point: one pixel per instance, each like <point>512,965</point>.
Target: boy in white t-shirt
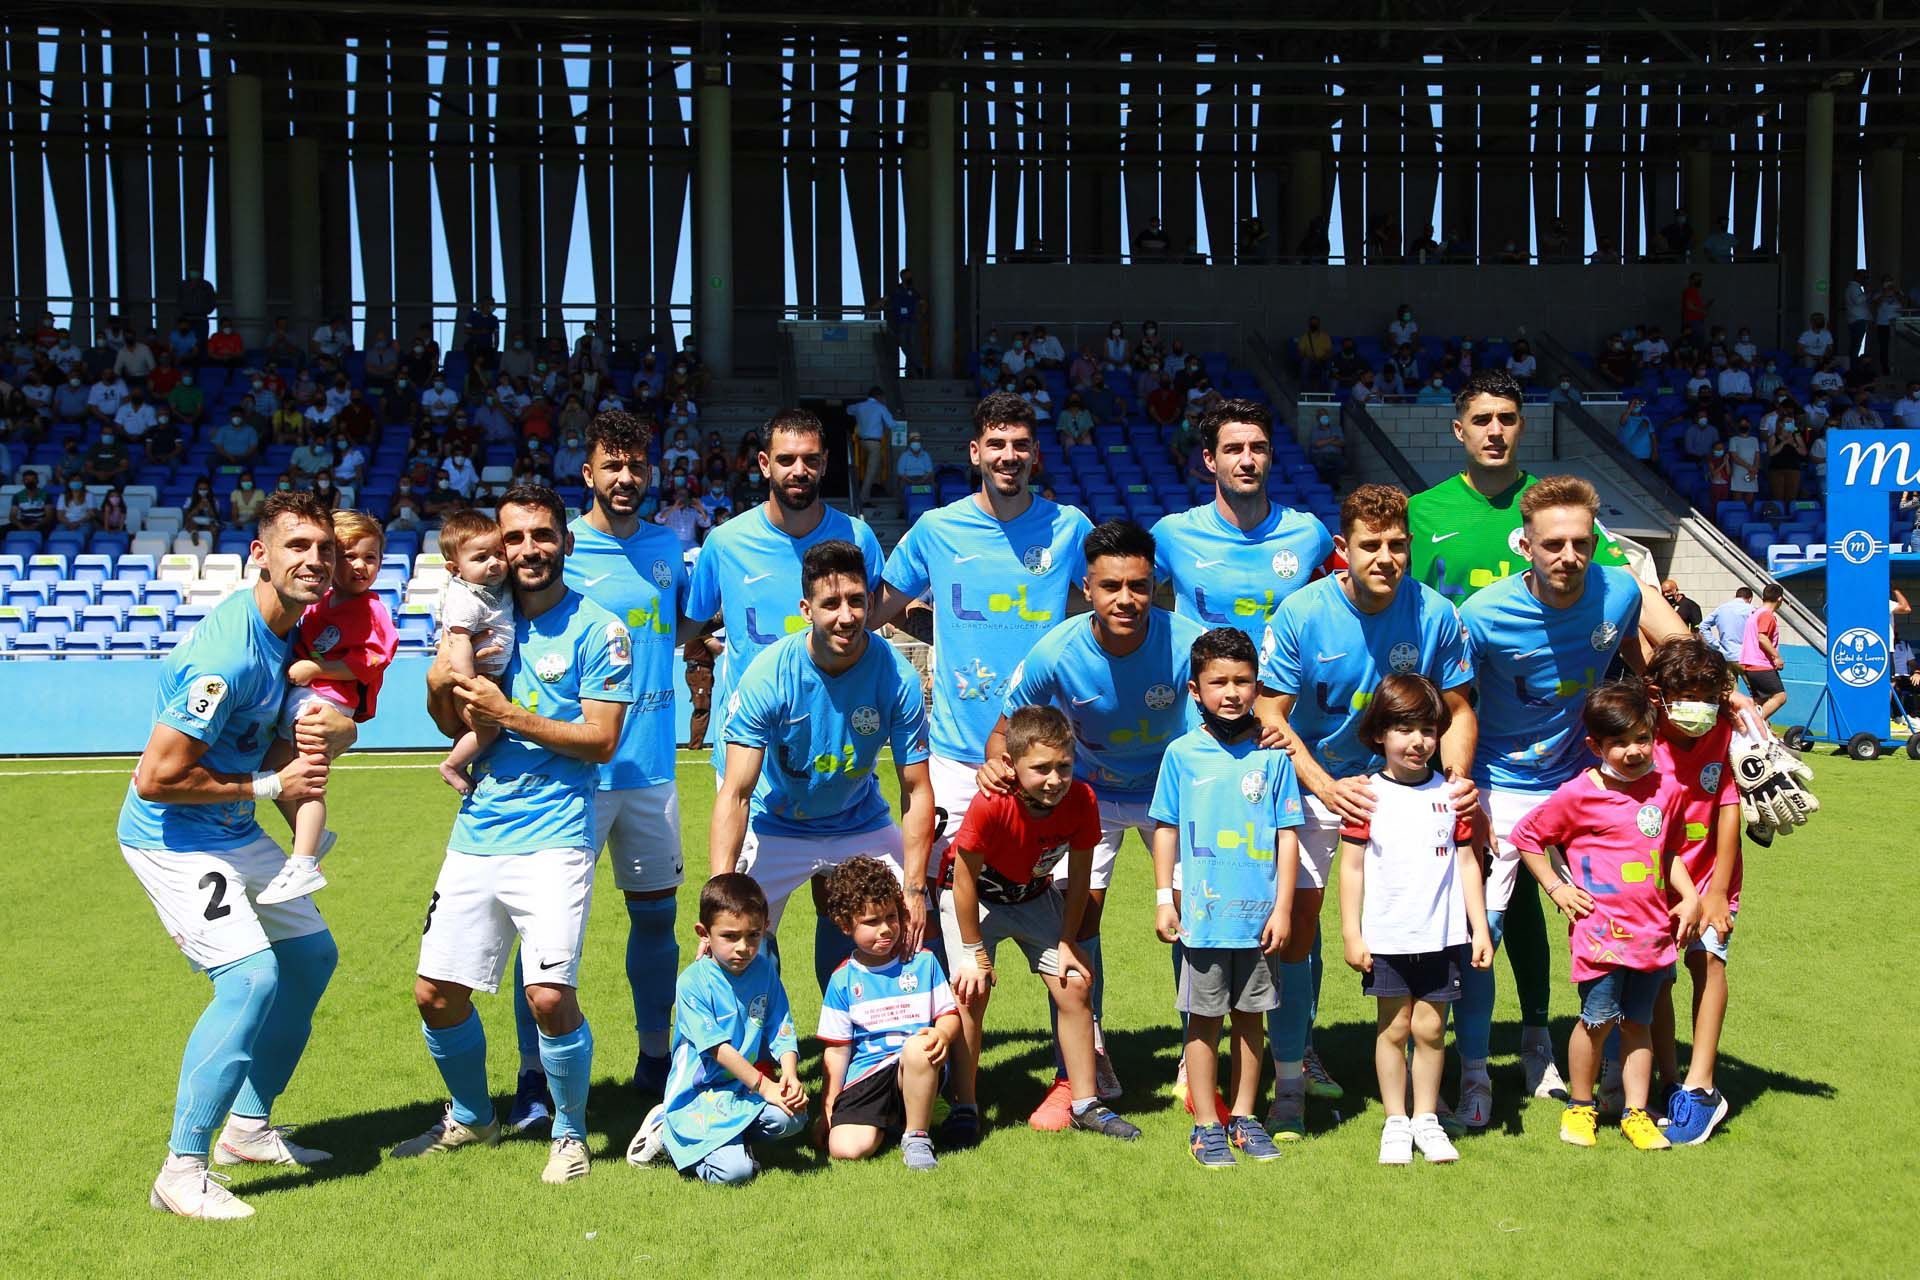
<point>476,612</point>
<point>1412,909</point>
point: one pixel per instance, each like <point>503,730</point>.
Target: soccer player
<point>804,729</point>
<point>1325,652</point>
<point>1541,641</point>
<point>1117,673</point>
<point>1466,535</point>
<point>520,859</point>
<point>188,831</point>
<point>633,569</point>
<point>1001,568</point>
<point>748,572</point>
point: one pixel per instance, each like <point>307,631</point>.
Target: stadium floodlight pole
<point>713,126</point>
<point>942,171</point>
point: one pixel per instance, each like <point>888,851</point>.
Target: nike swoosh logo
<point>1442,537</point>
<point>1529,653</point>
<point>1081,702</point>
<point>796,719</point>
<point>1207,564</point>
<point>1331,657</point>
<point>596,581</point>
<point>1201,782</point>
<point>551,964</point>
<point>965,559</point>
<point>758,577</point>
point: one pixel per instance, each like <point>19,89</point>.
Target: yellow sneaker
<point>1641,1131</point>
<point>1580,1125</point>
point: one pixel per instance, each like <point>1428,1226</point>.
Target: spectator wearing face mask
<point>134,418</point>
<point>405,511</point>
<point>202,513</point>
<point>1700,439</point>
<point>439,401</point>
<point>1434,391</point>
<point>1521,363</point>
<point>1403,330</point>
<point>443,499</point>
<point>1047,351</point>
<point>226,348</point>
<point>70,399</point>
<point>570,458</point>
<point>684,515</point>
<point>1635,431</point>
<point>1327,449</point>
<point>165,445</point>
<point>459,472</point>
<point>244,503</point>
<point>1388,383</point>
<point>915,465</point>
<point>1564,392</point>
<point>75,510</point>
<point>1113,353</point>
<point>1076,422</point>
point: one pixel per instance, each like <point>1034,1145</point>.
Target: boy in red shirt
<point>1618,826</point>
<point>341,650</point>
<point>998,882</point>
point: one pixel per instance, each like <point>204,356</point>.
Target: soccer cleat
<point>448,1134</point>
<point>532,1105</point>
<point>298,877</point>
<point>1612,1095</point>
<point>265,1146</point>
<point>1433,1142</point>
<point>1396,1141</point>
<point>1287,1117</point>
<point>1580,1124</point>
<point>1210,1146</point>
<point>566,1160</point>
<point>197,1192</point>
<point>1695,1114</point>
<point>1319,1083</point>
<point>1542,1074</point>
<point>916,1152</point>
<point>1476,1103</point>
<point>961,1129</point>
<point>1101,1120</point>
<point>651,1139</point>
<point>650,1075</point>
<point>1642,1132</point>
<point>1055,1111</point>
<point>1105,1079</point>
<point>1250,1140</point>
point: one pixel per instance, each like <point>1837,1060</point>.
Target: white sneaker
<point>1106,1079</point>
<point>1542,1075</point>
<point>1433,1141</point>
<point>566,1161</point>
<point>265,1146</point>
<point>651,1141</point>
<point>298,878</point>
<point>1476,1102</point>
<point>197,1192</point>
<point>1396,1141</point>
<point>448,1134</point>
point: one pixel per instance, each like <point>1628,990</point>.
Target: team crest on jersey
<point>550,666</point>
<point>855,990</point>
<point>662,575</point>
<point>1710,778</point>
<point>757,1009</point>
<point>1037,559</point>
<point>1604,635</point>
<point>1648,820</point>
<point>324,642</point>
<point>1160,697</point>
<point>1403,657</point>
<point>1513,541</point>
<point>1253,785</point>
<point>619,645</point>
<point>866,721</point>
<point>909,982</point>
<point>1286,564</point>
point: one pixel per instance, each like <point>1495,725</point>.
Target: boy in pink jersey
<point>1618,826</point>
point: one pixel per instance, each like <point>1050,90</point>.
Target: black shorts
<point>874,1099</point>
<point>1763,684</point>
<point>1432,976</point>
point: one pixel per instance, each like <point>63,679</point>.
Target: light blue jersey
<point>223,687</point>
<point>822,734</point>
<point>1228,801</point>
<point>996,589</point>
<point>1331,657</point>
<point>749,572</point>
<point>525,797</point>
<point>641,580</point>
<point>706,1107</point>
<point>875,1011</point>
<point>1224,576</point>
<point>1537,665</point>
<point>1124,710</point>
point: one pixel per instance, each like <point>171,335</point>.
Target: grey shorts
<point>1034,926</point>
<point>1216,981</point>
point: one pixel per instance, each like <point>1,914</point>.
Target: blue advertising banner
<point>1864,467</point>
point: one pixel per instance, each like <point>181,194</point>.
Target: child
<point>729,1013</point>
<point>343,646</point>
<point>477,602</point>
<point>1412,909</point>
<point>999,883</point>
<point>887,1022</point>
<point>1225,808</point>
<point>1619,825</point>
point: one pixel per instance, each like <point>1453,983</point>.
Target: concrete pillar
<point>943,253</point>
<point>1816,291</point>
<point>1696,196</point>
<point>1307,197</point>
<point>303,233</point>
<point>1886,175</point>
<point>713,219</point>
<point>247,207</point>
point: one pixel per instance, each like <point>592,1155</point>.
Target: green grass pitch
<point>1814,1172</point>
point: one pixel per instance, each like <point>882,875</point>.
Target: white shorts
<point>640,830</point>
<point>780,864</point>
<point>954,786</point>
<point>1319,841</point>
<point>297,699</point>
<point>205,900</point>
<point>1506,808</point>
<point>1034,926</point>
<point>481,905</point>
<point>1117,817</point>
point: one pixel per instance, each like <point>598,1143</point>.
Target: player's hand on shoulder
<point>1464,795</point>
<point>1273,737</point>
<point>1350,798</point>
<point>996,776</point>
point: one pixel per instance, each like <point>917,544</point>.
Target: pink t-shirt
<point>357,631</point>
<point>1701,767</point>
<point>1761,622</point>
<point>1618,845</point>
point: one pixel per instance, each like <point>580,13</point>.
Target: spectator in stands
<point>1859,311</point>
<point>382,361</point>
<point>1512,255</point>
<point>1906,410</point>
<point>1327,449</point>
<point>1363,391</point>
<point>305,391</point>
<point>439,400</point>
<point>405,511</point>
<point>517,360</point>
<point>226,349</point>
<point>1616,362</point>
<point>187,402</point>
<point>570,457</point>
<point>74,512</point>
<point>63,354</point>
<point>1701,383</point>
<point>1768,386</point>
<point>1315,351</point>
<point>1556,242</point>
<point>573,415</point>
<point>459,472</point>
<point>1347,366</point>
<point>682,412</point>
<point>1718,246</point>
<point>1081,370</point>
<point>237,444</point>
<point>1035,393</point>
<point>288,424</point>
<point>1677,236</point>
<point>135,417</point>
<point>1743,453</point>
<point>904,307</point>
<point>1176,361</point>
<point>1076,422</point>
<point>1817,457</point>
<point>1815,342</point>
<point>1522,364</point>
<point>1653,350</point>
<point>1827,378</point>
<point>1735,385</point>
<point>1114,352</point>
<point>1635,431</point>
<point>356,421</point>
<point>202,513</point>
<point>1388,384</point>
<point>536,420</point>
<point>70,399</point>
<point>1719,473</point>
<point>1103,401</point>
<point>1435,391</point>
<point>1426,248</point>
<point>1164,405</point>
<point>1700,439</point>
<point>283,345</point>
<point>1787,450</point>
<point>1719,349</point>
<point>443,499</point>
<point>164,445</point>
<point>684,516</point>
<point>679,452</point>
<point>1047,351</point>
<point>480,333</point>
<point>324,489</point>
<point>589,352</point>
<point>873,425</point>
<point>1315,245</point>
<point>37,394</point>
<point>165,376</point>
<point>114,336</point>
<point>1862,416</point>
<point>310,458</point>
<point>330,340</point>
<point>1888,301</point>
<point>105,397</point>
<point>183,344</point>
<point>1694,306</point>
<point>1407,361</point>
<point>1564,392</point>
<point>1151,241</point>
<point>1403,329</point>
<point>32,510</point>
<point>916,464</point>
<point>1151,344</point>
<point>1015,360</point>
<point>244,503</point>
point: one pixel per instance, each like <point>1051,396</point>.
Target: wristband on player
<point>267,785</point>
<point>1163,897</point>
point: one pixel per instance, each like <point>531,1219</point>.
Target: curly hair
<point>1684,664</point>
<point>857,883</point>
<point>1497,383</point>
<point>1380,505</point>
<point>618,433</point>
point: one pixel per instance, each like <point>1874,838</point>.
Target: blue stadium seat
<point>168,640</point>
<point>81,647</point>
<point>21,543</point>
<point>74,593</point>
<point>187,616</point>
<point>12,568</point>
<point>124,594</point>
<point>101,619</point>
<point>54,621</point>
<point>147,619</point>
<point>110,545</point>
<point>46,568</point>
<point>170,594</point>
<point>130,645</point>
<point>13,621</point>
<point>29,595</point>
<point>93,568</point>
<point>33,648</point>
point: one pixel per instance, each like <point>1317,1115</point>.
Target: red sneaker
<point>1055,1111</point>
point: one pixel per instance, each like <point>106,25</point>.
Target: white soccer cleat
<point>197,1192</point>
<point>1476,1103</point>
<point>265,1146</point>
<point>448,1134</point>
<point>1542,1074</point>
<point>651,1141</point>
<point>1432,1140</point>
<point>566,1160</point>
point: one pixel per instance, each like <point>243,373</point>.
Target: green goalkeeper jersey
<point>1463,540</point>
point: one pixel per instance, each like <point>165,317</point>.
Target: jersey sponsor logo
<point>1160,697</point>
<point>1648,820</point>
<point>662,575</point>
<point>648,617</point>
<point>999,602</point>
<point>1241,841</point>
<point>619,645</point>
<point>325,641</point>
<point>1286,564</point>
<point>550,666</point>
<point>1403,657</point>
<point>1559,691</point>
<point>791,624</point>
<point>1037,559</point>
<point>866,721</point>
<point>205,697</point>
<point>1256,606</point>
<point>1604,636</point>
<point>1710,778</point>
<point>1253,785</point>
<point>1333,706</point>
